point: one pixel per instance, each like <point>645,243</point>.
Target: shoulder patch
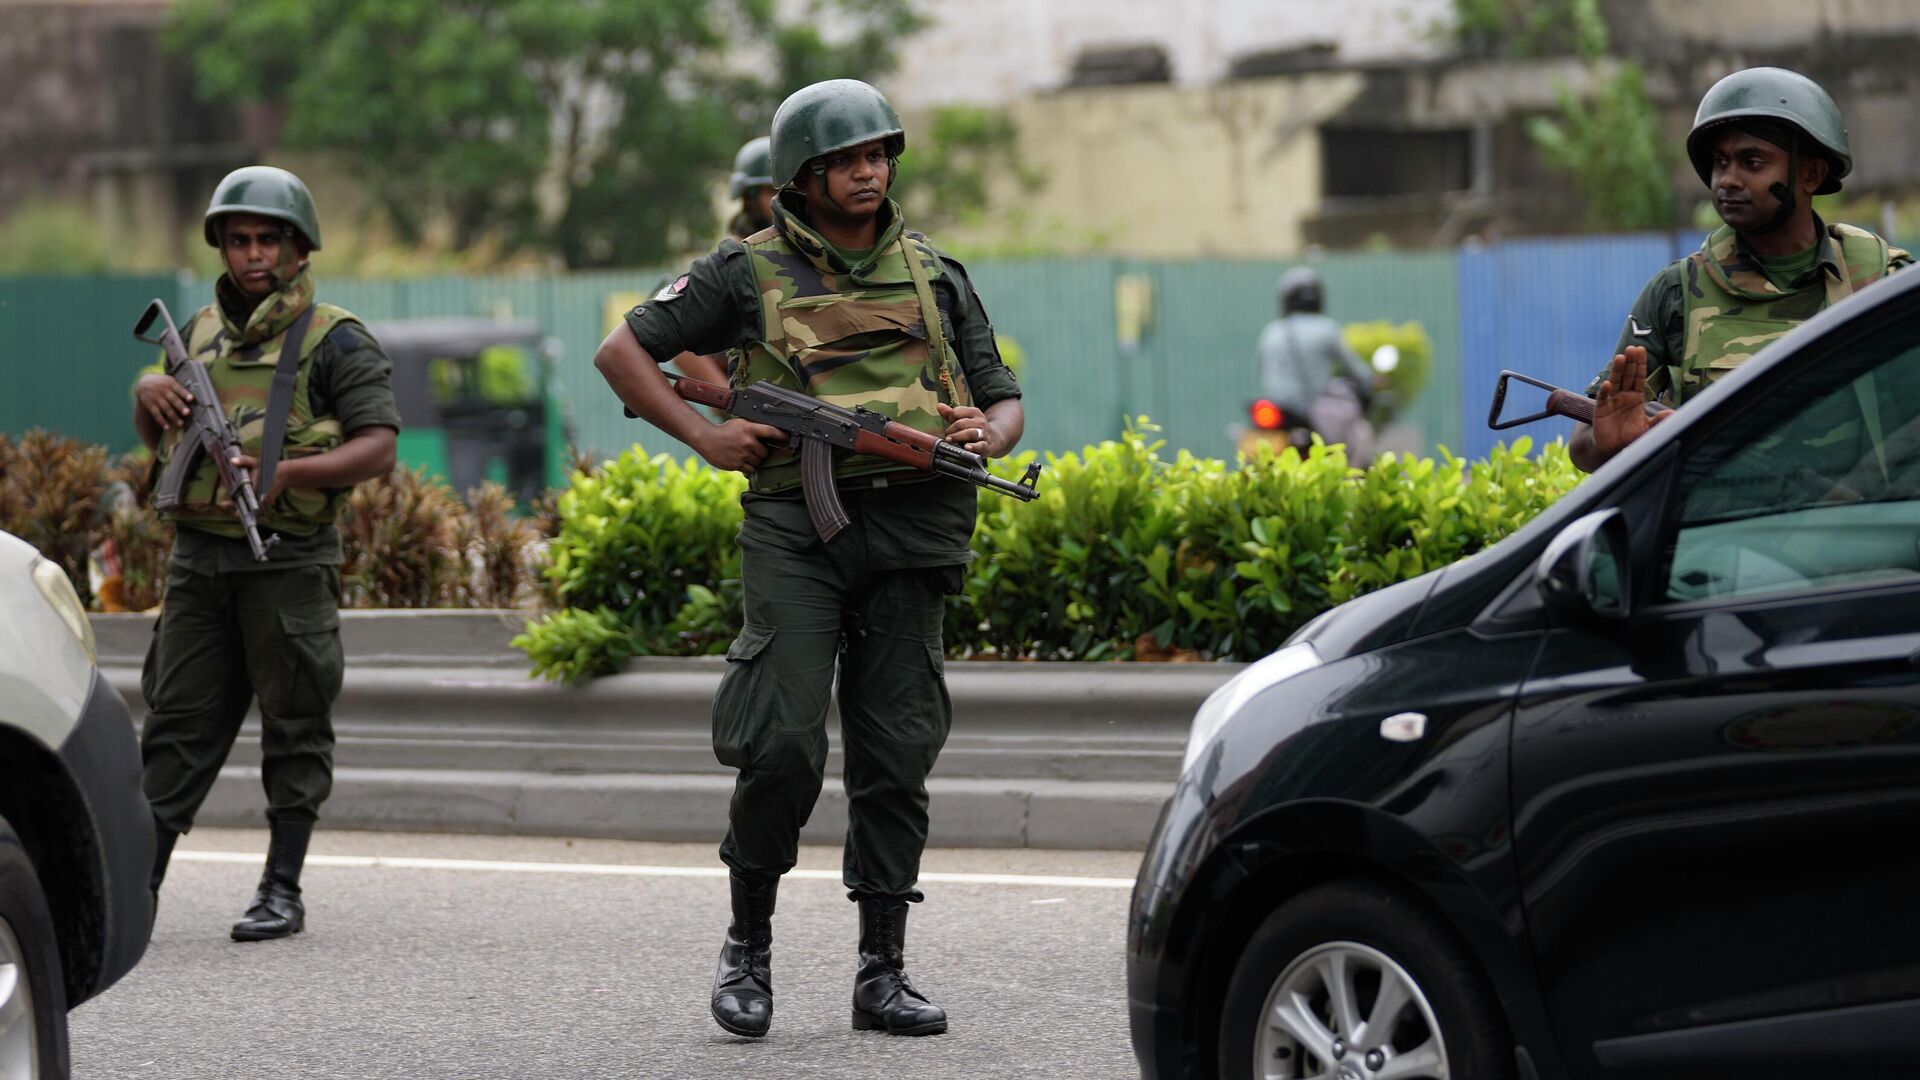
<point>673,290</point>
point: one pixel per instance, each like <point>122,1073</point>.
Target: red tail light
<point>1267,416</point>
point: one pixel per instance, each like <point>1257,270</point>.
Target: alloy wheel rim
<point>19,1031</point>
<point>1347,1011</point>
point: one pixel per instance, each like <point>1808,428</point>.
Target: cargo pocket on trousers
<point>737,708</point>
<point>316,665</point>
<point>939,719</point>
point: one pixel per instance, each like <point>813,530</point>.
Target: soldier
<point>752,184</point>
<point>840,301</point>
<point>311,394</point>
<point>1307,369</point>
<point>1764,141</point>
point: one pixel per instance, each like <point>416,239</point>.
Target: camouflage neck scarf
<point>889,224</point>
<point>270,315</point>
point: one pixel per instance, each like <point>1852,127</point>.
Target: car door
<point>1717,798</point>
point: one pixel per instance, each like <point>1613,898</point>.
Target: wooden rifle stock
<point>815,427</point>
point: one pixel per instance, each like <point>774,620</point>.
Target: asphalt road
<point>485,960</point>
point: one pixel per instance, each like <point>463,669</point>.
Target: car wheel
<point>33,1001</point>
<point>1352,981</point>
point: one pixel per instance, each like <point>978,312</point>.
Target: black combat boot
<point>883,999</point>
<point>277,911</point>
<point>743,984</point>
<point>163,840</point>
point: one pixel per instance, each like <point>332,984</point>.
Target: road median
<point>440,728</point>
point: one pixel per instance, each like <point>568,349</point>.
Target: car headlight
<point>53,584</point>
<point>1242,688</point>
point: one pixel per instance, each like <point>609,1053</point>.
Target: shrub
<point>1124,555</point>
<point>50,495</point>
<point>646,562</point>
<point>398,537</point>
<point>498,549</point>
<point>132,544</point>
<point>1409,375</point>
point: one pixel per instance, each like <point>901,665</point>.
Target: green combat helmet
<point>752,167</point>
<point>269,192</point>
<point>829,116</point>
<point>1775,94</point>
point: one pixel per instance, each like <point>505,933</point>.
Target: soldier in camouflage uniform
<point>1764,141</point>
<point>839,300</point>
<point>752,184</point>
<point>233,630</point>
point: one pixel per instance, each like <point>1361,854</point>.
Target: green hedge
<point>1125,555</point>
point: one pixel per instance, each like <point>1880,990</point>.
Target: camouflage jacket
<point>849,334</point>
<point>1701,316</point>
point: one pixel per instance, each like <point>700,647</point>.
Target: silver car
<point>76,837</point>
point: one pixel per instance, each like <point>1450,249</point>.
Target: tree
<point>593,128</point>
<point>951,163</point>
<point>1612,146</point>
<point>1615,150</point>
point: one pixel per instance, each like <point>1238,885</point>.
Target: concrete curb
<point>439,728</point>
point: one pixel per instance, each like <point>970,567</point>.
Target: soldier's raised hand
<point>1620,405</point>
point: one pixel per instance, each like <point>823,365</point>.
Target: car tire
<point>1280,1020</point>
<point>33,998</point>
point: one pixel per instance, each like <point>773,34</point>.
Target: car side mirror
<point>1585,575</point>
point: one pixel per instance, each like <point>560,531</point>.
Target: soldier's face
<point>1745,170</point>
<point>856,179</point>
<point>251,245</point>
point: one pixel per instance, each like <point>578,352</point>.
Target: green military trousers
<point>223,640</point>
<point>810,608</point>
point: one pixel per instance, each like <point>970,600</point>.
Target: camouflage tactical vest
<point>1732,309</point>
<point>240,362</point>
<point>867,336</point>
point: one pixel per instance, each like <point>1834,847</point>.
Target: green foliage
<point>953,161</point>
<point>50,497</point>
<point>1615,151</point>
<point>646,550</point>
<point>1531,27</point>
<point>594,130</point>
<point>1125,555</point>
<point>501,374</point>
<point>1409,376</point>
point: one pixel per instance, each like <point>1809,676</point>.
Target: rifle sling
<point>286,371</point>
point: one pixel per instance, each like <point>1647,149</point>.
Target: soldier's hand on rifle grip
<point>162,397</point>
<point>1619,410</point>
<point>969,429</point>
<point>738,445</point>
<point>252,466</point>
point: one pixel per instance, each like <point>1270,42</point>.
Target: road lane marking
<point>409,862</point>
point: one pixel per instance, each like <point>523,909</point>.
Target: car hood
<point>1377,619</point>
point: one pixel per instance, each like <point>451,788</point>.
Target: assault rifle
<point>208,431</point>
<point>1560,402</point>
<point>818,427</point>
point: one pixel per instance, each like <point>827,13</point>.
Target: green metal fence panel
<point>68,356</point>
<point>1195,371</point>
<point>1061,314</point>
<point>1403,286</point>
<point>1191,370</point>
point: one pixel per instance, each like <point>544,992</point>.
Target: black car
<point>1633,793</point>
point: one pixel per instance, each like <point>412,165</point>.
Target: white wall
<point>996,51</point>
